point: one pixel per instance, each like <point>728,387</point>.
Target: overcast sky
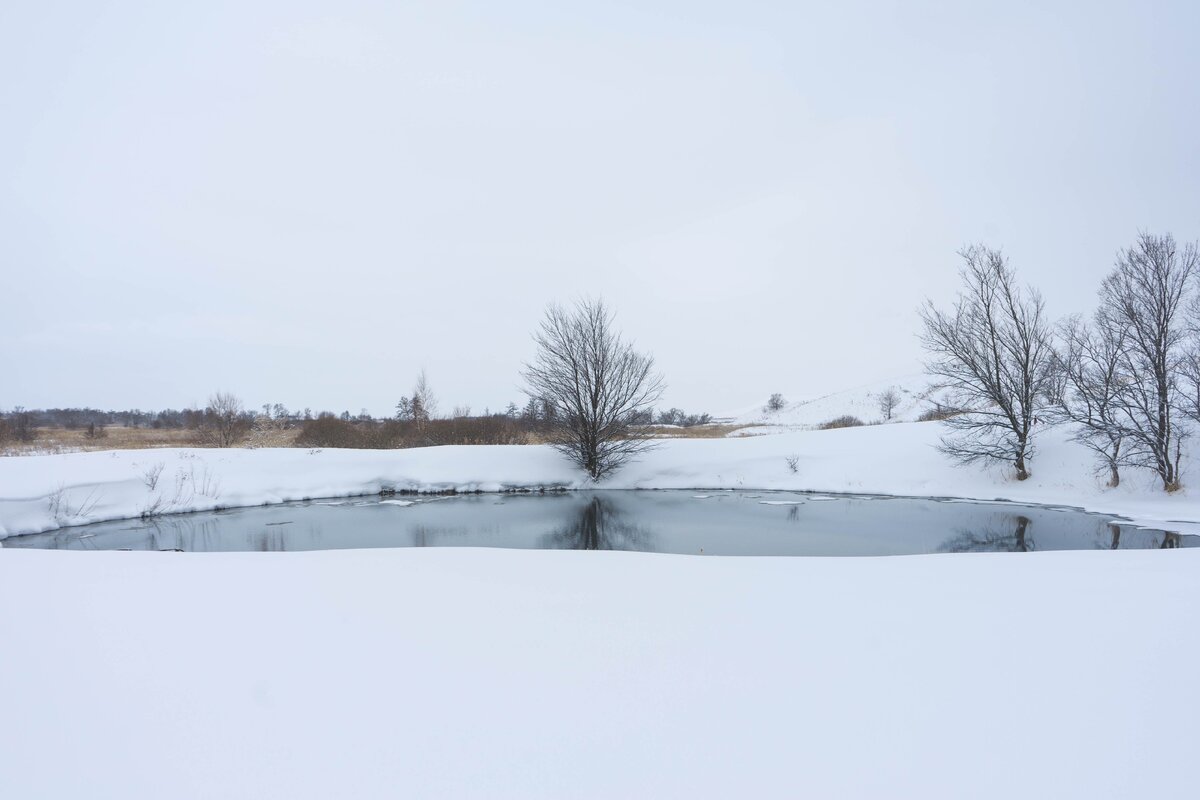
<point>307,203</point>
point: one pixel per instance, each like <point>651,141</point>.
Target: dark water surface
<point>709,523</point>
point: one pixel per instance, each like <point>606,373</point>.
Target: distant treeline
<point>77,418</point>
<point>226,422</point>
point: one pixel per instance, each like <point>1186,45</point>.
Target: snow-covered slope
<point>861,401</point>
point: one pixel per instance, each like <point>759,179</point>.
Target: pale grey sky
<point>307,203</point>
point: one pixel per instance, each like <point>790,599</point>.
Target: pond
<point>689,522</point>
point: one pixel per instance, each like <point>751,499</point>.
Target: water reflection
<point>1013,539</point>
<point>725,523</point>
<point>599,525</point>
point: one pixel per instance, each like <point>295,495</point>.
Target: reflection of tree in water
<point>598,526</point>
<point>194,534</point>
<point>1169,540</point>
<point>271,540</point>
<point>1012,539</point>
<point>435,535</point>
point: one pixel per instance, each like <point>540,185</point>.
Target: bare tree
<point>225,419</point>
<point>776,402</point>
<point>992,354</point>
<point>888,402</point>
<point>20,425</point>
<point>1146,294</point>
<point>591,384</point>
<point>1086,386</point>
<point>424,401</point>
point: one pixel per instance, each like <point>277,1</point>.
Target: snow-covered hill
<point>801,412</point>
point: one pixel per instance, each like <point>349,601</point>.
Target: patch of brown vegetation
<point>693,432</point>
<point>62,440</point>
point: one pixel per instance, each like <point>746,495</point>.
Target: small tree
<point>225,419</point>
<point>992,354</point>
<point>424,399</point>
<point>776,402</point>
<point>888,401</point>
<point>1146,294</point>
<point>591,384</point>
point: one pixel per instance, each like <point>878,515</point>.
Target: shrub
<point>676,416</point>
<point>328,431</point>
<point>939,413</point>
<point>776,402</point>
<point>845,421</point>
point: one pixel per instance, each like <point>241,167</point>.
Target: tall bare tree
<point>591,384</point>
<point>1088,379</point>
<point>1146,293</point>
<point>992,354</point>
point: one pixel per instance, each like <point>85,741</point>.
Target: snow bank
<point>39,493</point>
<point>490,673</point>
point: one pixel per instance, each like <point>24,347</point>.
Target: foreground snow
<point>39,493</point>
<point>490,673</point>
<point>453,672</point>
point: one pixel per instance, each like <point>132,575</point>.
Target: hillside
<point>801,412</point>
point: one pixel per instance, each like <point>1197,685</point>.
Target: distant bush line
<point>225,423</point>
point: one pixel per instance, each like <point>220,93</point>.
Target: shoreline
<point>49,492</point>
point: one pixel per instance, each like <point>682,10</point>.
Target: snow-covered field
<point>490,673</point>
<point>39,493</point>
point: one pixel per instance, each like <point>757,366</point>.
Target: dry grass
<point>694,432</point>
<point>62,440</point>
